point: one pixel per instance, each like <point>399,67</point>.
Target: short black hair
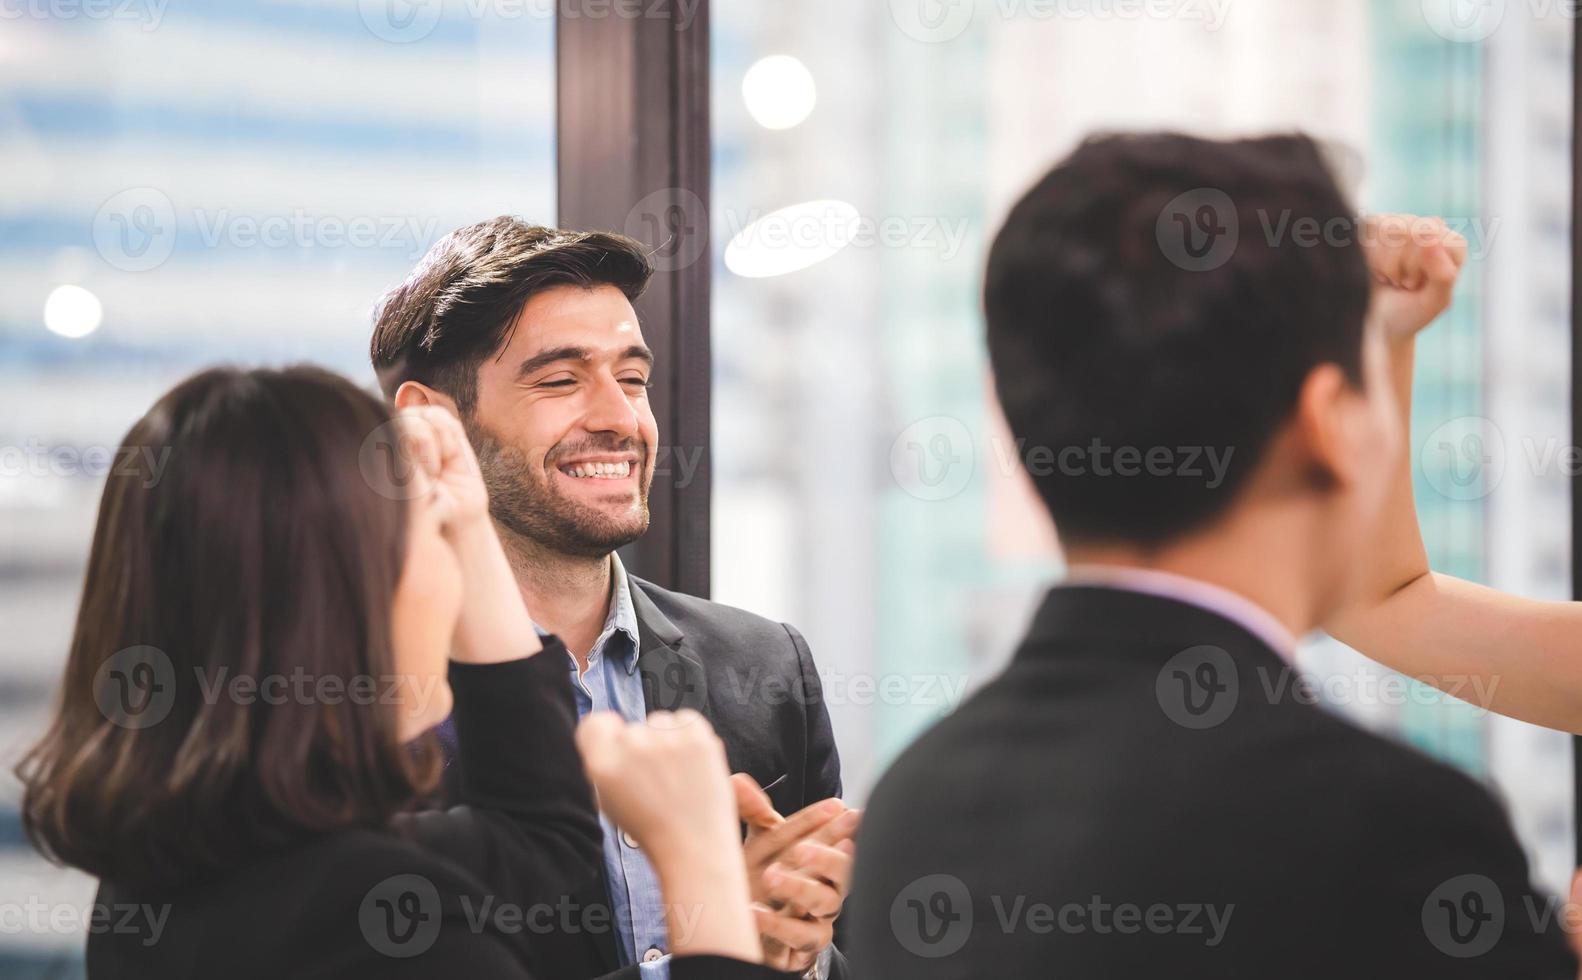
<point>1110,328</point>
<point>457,305</point>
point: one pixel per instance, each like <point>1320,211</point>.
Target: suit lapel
<point>673,676</point>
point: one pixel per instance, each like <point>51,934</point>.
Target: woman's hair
<point>226,686</point>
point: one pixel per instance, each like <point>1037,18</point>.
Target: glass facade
<point>196,182</point>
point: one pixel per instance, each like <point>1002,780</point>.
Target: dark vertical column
<point>633,157</point>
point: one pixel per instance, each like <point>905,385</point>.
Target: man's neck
<point>1261,571</point>
<point>568,595</point>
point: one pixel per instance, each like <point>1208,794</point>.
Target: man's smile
<point>602,471</point>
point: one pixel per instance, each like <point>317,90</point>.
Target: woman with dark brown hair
<point>270,627</point>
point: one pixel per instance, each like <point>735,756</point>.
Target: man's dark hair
<point>456,308</point>
<point>1123,315</point>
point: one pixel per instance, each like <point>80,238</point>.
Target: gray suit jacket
<point>754,679</point>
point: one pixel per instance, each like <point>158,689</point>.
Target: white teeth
<point>599,471</point>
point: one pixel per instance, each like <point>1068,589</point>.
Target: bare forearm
<point>1396,560</point>
<point>1400,557</point>
<point>1519,657</point>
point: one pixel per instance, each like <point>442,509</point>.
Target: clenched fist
<point>1415,262</point>
<point>665,782</point>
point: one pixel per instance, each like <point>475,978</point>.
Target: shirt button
<point>652,954</point>
<point>628,839</point>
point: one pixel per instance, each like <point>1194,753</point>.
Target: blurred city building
<point>200,182</point>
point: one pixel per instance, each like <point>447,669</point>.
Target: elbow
<point>1351,623</point>
<point>1404,583</point>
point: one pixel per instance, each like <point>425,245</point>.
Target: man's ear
<point>413,393</point>
<point>1328,422</point>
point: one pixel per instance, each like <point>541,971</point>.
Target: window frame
<point>632,156</point>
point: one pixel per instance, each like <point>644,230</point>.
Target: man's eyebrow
<point>544,358</point>
<point>553,355</point>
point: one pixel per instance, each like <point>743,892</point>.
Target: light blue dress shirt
<point>612,682</point>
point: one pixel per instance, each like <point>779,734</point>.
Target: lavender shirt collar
<point>1194,592</point>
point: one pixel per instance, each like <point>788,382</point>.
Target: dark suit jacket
<point>426,898</point>
<point>1145,793</point>
<point>754,680</point>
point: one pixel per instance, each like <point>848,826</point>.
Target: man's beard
<point>528,505</point>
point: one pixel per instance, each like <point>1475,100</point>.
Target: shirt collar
<point>1195,592</point>
<point>622,617</point>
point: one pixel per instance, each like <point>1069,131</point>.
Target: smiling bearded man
<point>528,334</point>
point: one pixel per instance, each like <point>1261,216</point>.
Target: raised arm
<point>1519,657</point>
<point>526,824</point>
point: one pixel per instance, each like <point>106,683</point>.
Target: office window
<point>190,183</point>
<point>864,157</point>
